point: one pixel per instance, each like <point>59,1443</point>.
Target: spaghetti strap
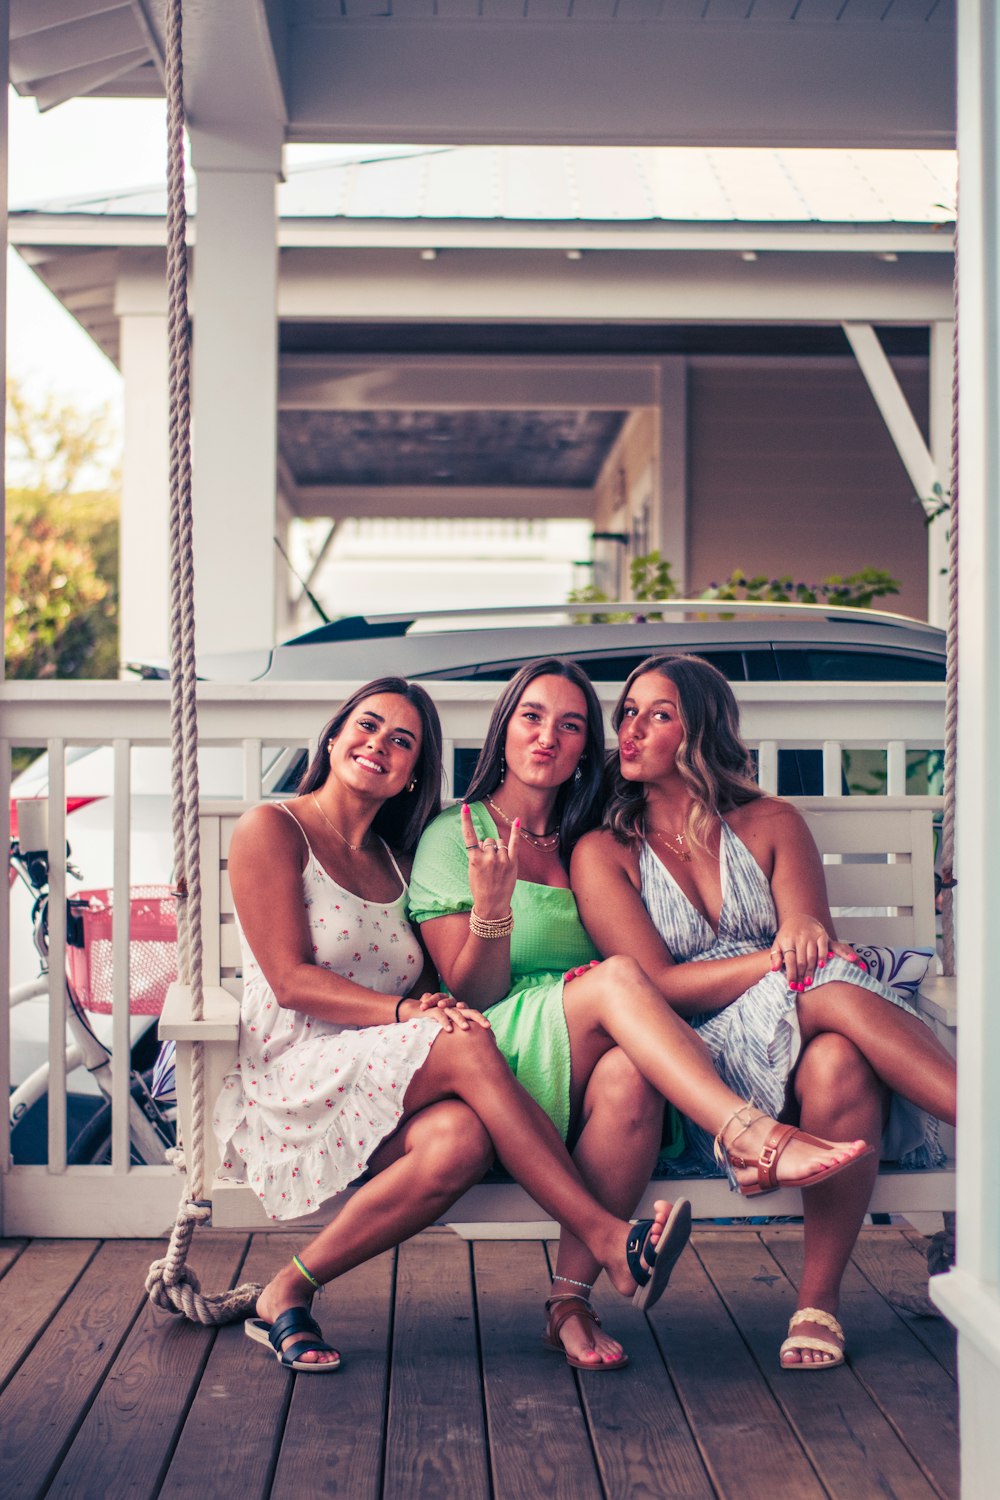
<point>285,808</point>
<point>392,860</point>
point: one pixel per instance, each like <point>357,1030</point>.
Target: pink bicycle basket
<point>152,950</point>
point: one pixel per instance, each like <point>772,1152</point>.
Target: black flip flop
<point>294,1320</point>
<point>651,1265</point>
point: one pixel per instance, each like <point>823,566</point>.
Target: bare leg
<point>468,1065</point>
<point>903,1052</point>
<point>621,1122</point>
<point>617,1000</point>
<point>421,1169</point>
<point>838,1094</point>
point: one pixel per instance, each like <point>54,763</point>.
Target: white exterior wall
<point>970,1294</point>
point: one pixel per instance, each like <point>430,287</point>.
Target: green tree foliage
<point>61,610</point>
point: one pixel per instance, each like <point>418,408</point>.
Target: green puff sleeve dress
<point>548,938</point>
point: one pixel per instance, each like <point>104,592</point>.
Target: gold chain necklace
<point>544,841</point>
<point>675,842</point>
<point>326,820</point>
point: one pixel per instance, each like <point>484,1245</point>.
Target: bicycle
<point>152,965</point>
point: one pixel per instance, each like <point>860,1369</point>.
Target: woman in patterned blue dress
<point>718,891</point>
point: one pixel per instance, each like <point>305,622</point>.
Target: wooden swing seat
<point>879,856</point>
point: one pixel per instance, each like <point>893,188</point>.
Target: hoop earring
<point>578,775</point>
<point>411,785</point>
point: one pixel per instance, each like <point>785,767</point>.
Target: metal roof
<point>568,184</point>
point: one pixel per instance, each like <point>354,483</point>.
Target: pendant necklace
<point>675,842</point>
<point>326,820</point>
<point>543,841</point>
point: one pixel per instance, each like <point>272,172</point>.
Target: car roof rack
<point>367,627</point>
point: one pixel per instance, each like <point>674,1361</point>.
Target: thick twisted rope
<point>171,1284</point>
<point>951,672</point>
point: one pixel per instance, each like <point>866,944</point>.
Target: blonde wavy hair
<point>712,759</point>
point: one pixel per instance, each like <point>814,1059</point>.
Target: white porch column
<point>672,457</point>
<point>235,393</point>
<point>941,379</point>
<point>144,603</point>
<point>970,1295</point>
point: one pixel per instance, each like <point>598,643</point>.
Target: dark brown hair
<point>578,801</point>
<point>402,819</point>
<point>712,759</point>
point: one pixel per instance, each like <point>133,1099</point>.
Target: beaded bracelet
<point>490,927</point>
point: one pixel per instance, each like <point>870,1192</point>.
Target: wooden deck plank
<point>853,1448</point>
<point>897,1264</point>
<point>436,1432</point>
<point>333,1443</point>
<point>916,1395</point>
<point>539,1444</point>
<point>45,1401</point>
<point>644,1446</point>
<point>128,1435</point>
<point>9,1252</point>
<point>230,1438</point>
<point>747,1446</point>
<point>35,1285</point>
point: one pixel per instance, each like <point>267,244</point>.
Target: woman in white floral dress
<point>347,1063</point>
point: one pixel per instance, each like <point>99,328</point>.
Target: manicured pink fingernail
<point>808,982</point>
<point>775,968</point>
<point>517,822</point>
<point>568,974</point>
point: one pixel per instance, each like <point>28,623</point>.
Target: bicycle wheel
<point>92,1146</point>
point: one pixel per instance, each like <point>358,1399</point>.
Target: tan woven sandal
<point>766,1164</point>
<point>802,1341</point>
<point>569,1305</point>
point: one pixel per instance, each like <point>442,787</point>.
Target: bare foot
<point>277,1297</point>
<point>803,1161</point>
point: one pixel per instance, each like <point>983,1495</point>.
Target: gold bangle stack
<point>490,927</point>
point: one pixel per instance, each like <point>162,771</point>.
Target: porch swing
<point>200,1016</point>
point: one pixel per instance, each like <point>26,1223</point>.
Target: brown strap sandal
<point>569,1305</point>
<point>766,1164</point>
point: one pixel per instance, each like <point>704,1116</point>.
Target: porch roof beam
<point>452,383</point>
<point>346,501</point>
<point>925,476</point>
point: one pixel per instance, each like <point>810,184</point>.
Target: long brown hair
<point>402,819</point>
<point>712,759</point>
<point>578,801</point>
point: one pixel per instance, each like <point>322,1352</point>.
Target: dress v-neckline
<point>723,880</point>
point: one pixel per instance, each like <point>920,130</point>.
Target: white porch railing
<point>56,1199</point>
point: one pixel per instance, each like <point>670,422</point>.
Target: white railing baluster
<point>895,768</point>
<point>120,951</point>
<point>833,768</point>
<point>767,766</point>
<point>57,956</point>
<point>251,770</point>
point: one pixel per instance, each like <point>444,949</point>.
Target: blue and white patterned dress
<point>755,1041</point>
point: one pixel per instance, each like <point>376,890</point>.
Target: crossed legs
<point>419,1177</point>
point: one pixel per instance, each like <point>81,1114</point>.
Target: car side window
<point>840,664</point>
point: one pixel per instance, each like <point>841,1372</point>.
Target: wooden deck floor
<point>446,1391</point>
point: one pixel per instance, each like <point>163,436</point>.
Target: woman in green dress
<point>490,889</point>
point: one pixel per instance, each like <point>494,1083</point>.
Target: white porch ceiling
<point>748,72</point>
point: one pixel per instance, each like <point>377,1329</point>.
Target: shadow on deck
<point>446,1391</point>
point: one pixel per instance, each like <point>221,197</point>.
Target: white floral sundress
<point>310,1100</point>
